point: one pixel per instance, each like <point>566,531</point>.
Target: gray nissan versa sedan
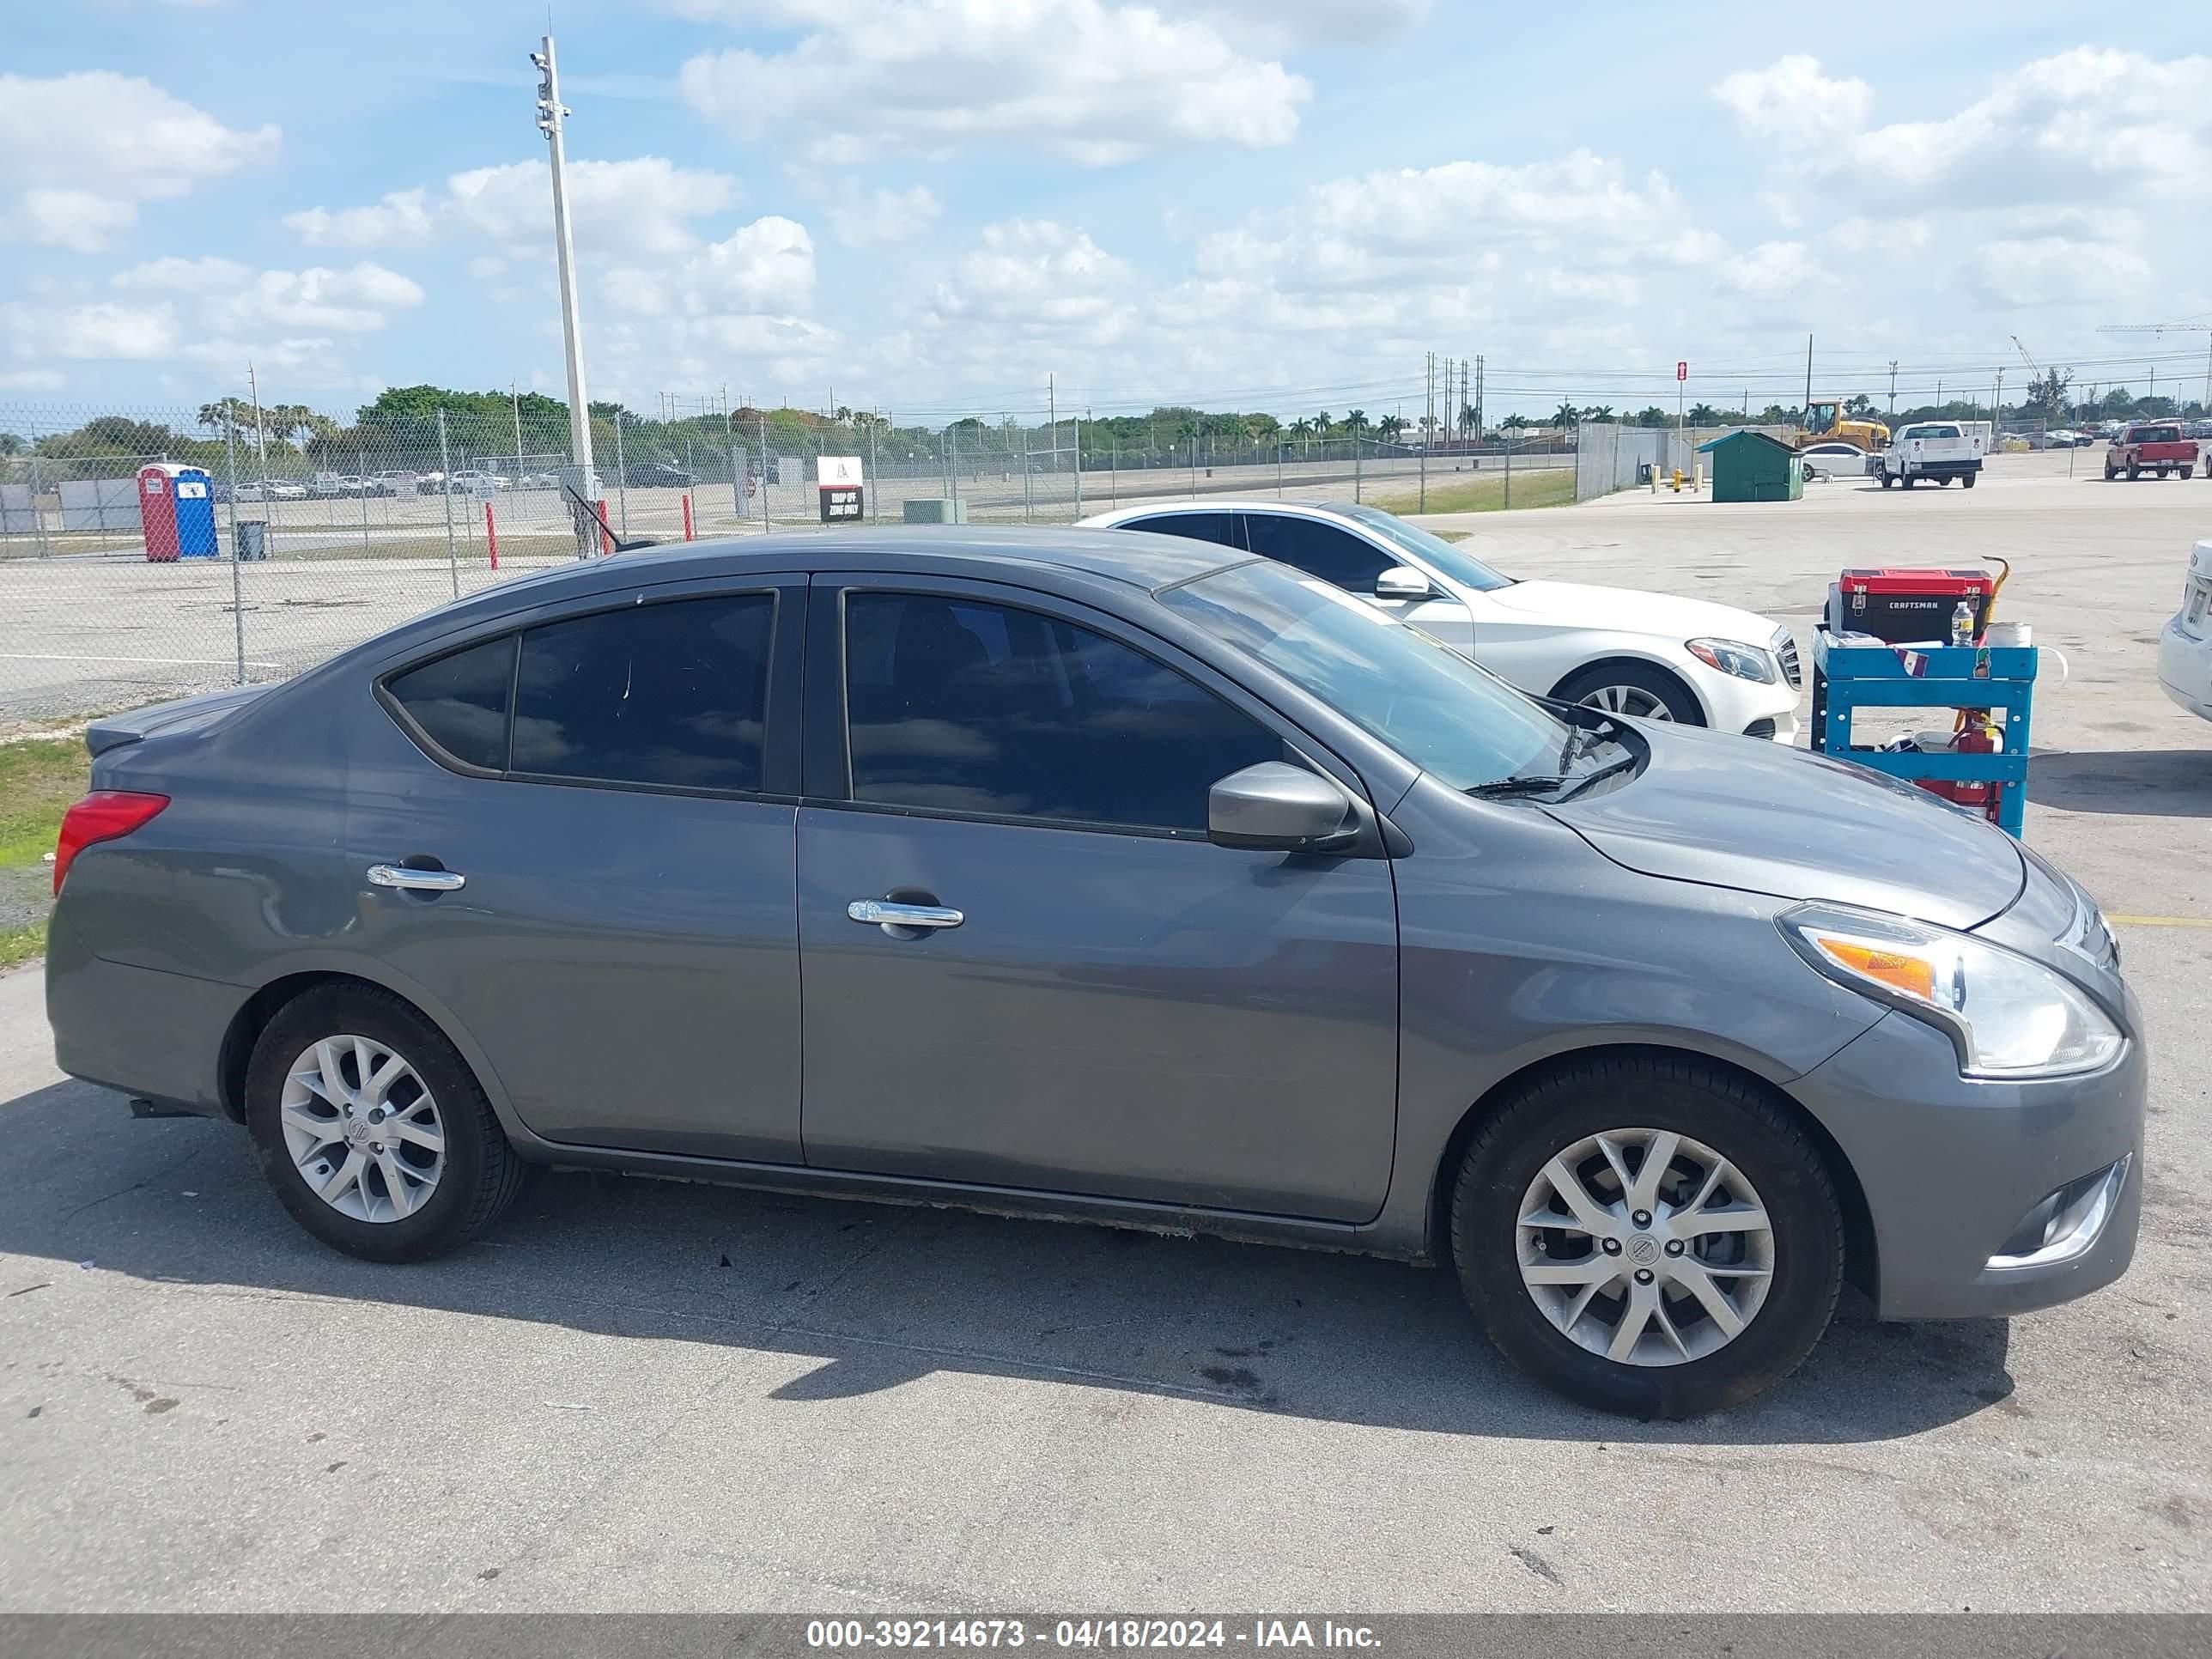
<point>1114,875</point>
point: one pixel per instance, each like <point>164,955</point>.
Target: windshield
<point>1458,564</point>
<point>1932,432</point>
<point>1450,718</point>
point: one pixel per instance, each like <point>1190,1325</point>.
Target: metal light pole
<point>550,115</point>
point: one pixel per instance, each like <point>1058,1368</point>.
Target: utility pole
<point>1478,396</point>
<point>550,115</point>
<point>1893,388</point>
<point>1997,405</point>
<point>1808,383</point>
<point>514,397</point>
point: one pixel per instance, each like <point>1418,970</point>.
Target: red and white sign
<point>1681,371</point>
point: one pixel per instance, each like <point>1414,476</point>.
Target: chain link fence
<point>326,534</point>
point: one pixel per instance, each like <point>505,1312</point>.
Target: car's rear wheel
<point>1887,481</point>
<point>1968,480</point>
<point>1633,688</point>
<point>372,1129</point>
<point>1648,1235</point>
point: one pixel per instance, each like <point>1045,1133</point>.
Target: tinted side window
<point>1318,548</point>
<point>672,694</point>
<point>1219,527</point>
<point>460,701</point>
<point>990,709</point>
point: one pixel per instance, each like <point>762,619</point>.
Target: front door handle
<point>416,881</point>
<point>890,916</point>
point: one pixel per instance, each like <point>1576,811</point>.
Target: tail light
<point>103,815</point>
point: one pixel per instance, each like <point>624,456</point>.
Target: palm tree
<point>1357,421</point>
<point>1321,423</point>
<point>1390,426</point>
<point>1567,414</point>
<point>1301,426</point>
<point>1598,412</point>
<point>1704,414</point>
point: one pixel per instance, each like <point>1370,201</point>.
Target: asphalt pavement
<point>641,1395</point>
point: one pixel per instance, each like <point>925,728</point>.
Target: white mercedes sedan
<point>1625,651</point>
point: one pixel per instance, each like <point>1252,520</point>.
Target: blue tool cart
<point>1874,675</point>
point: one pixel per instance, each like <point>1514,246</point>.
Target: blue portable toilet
<point>177,508</point>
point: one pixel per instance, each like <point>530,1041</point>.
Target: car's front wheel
<point>1636,689</point>
<point>372,1129</point>
<point>1648,1235</point>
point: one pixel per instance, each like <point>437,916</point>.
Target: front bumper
<point>1950,1167</point>
<point>2184,669</point>
<point>1765,710</point>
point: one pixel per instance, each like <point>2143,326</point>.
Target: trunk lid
<point>167,719</point>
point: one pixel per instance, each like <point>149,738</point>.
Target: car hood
<point>1631,611</point>
<point>1728,811</point>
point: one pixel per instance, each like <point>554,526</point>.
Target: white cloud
<point>1793,105</point>
<point>236,299</point>
<point>85,149</point>
<point>402,219</point>
<point>764,268</point>
<point>1033,278</point>
<point>2045,270</point>
<point>103,329</point>
<point>1774,269</point>
<point>1280,23</point>
<point>641,206</point>
<point>1087,79</point>
<point>2083,127</point>
<point>1384,228</point>
<point>883,216</point>
<point>30,380</point>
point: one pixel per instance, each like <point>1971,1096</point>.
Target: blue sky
<point>932,205</point>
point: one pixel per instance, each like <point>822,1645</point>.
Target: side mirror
<point>1404,583</point>
<point>1275,806</point>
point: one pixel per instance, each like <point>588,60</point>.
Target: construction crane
<point>2034,367</point>
<point>2170,328</point>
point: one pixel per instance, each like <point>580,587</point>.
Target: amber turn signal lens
<point>1914,975</point>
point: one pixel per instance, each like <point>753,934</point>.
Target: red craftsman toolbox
<point>1907,607</point>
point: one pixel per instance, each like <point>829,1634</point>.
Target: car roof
<point>1122,515</point>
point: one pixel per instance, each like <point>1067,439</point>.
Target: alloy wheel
<point>1632,700</point>
<point>1644,1246</point>
<point>362,1128</point>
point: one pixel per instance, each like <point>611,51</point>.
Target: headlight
<point>1745,662</point>
<point>2008,1017</point>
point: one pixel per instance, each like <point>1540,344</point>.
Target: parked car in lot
<point>2184,645</point>
<point>1116,877</point>
<point>398,483</point>
<point>271,490</point>
<point>1612,648</point>
<point>2151,446</point>
<point>478,484</point>
<point>1936,451</point>
<point>658,475</point>
<point>1846,461</point>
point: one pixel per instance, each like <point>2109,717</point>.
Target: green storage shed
<point>1750,466</point>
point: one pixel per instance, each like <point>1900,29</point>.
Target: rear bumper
<point>137,1030</point>
<point>2184,669</point>
<point>1943,468</point>
<point>1950,1168</point>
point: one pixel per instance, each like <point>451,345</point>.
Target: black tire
<point>2134,472</point>
<point>1906,480</point>
<point>1681,706</point>
<point>2110,475</point>
<point>1968,480</point>
<point>1887,482</point>
<point>481,1174</point>
<point>1683,1095</point>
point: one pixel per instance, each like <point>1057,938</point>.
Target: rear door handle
<point>416,881</point>
<point>886,914</point>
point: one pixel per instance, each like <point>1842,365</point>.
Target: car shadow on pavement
<point>2161,783</point>
<point>872,1297</point>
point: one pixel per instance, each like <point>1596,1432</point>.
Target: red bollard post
<point>491,536</point>
<point>606,536</point>
<point>688,536</point>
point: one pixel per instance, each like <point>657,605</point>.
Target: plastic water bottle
<point>1962,624</point>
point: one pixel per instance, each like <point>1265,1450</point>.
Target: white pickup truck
<point>1936,450</point>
